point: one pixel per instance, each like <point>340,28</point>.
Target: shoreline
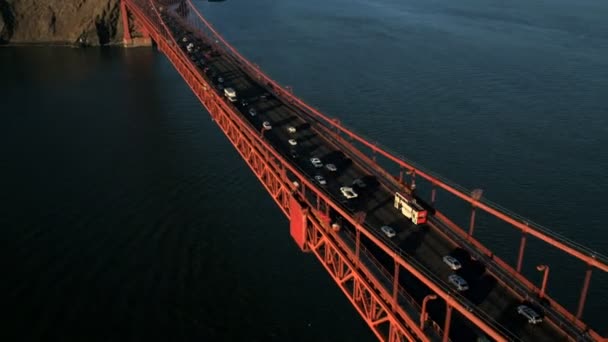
<point>68,45</point>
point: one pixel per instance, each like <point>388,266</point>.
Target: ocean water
<point>126,215</point>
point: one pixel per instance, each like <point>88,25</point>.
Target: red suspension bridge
<point>378,238</point>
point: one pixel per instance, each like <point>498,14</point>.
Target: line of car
<point>461,285</point>
<point>347,191</point>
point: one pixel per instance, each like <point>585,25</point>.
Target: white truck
<point>230,94</point>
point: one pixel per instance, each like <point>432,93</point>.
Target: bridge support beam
<point>396,287</point>
<point>585,289</point>
<point>472,222</point>
<point>448,321</point>
<point>126,32</point>
<point>423,314</point>
<point>522,247</point>
<point>298,223</point>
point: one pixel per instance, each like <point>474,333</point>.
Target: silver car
<point>388,231</point>
<point>461,284</point>
<point>320,179</point>
<point>316,162</point>
<point>532,316</point>
<point>452,262</point>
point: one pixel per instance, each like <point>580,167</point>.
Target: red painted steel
<point>125,23</point>
<point>373,301</point>
<point>297,222</point>
<point>520,256</point>
<point>581,302</point>
<point>545,270</point>
<point>362,295</point>
<point>472,222</point>
<point>423,314</point>
<point>446,325</point>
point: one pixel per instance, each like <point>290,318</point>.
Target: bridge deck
<point>426,244</point>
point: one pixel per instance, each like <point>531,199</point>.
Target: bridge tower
<point>133,35</point>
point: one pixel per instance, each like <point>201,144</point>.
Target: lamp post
<point>542,268</point>
<point>423,314</point>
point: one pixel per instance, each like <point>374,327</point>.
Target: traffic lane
<point>320,145</point>
<point>429,249</point>
<point>432,246</point>
<point>490,297</point>
<point>484,290</point>
<point>310,145</point>
<point>412,237</point>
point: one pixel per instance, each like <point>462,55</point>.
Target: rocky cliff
<point>94,22</point>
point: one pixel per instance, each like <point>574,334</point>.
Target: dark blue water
<point>126,215</point>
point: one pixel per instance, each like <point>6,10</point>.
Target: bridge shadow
<point>460,329</point>
<point>268,107</point>
<point>381,203</point>
<point>333,157</point>
<point>283,122</point>
<point>302,126</point>
<point>305,138</point>
<point>371,182</point>
<point>413,241</point>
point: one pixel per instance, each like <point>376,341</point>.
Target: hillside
<point>94,22</point>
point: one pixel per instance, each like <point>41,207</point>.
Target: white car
<point>331,167</point>
<point>532,316</point>
<point>348,192</point>
<point>252,111</point>
<point>292,142</point>
<point>267,125</point>
<point>388,231</point>
<point>291,129</point>
<point>452,262</point>
<point>461,284</point>
<point>316,162</point>
<point>320,179</point>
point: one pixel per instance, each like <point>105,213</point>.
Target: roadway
<point>424,243</point>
